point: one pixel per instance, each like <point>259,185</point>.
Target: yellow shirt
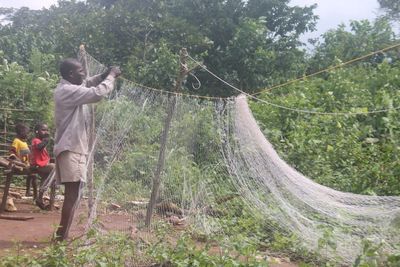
<point>20,149</point>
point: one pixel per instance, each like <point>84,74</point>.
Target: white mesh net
<point>216,157</point>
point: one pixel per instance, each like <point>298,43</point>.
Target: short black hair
<point>20,127</point>
<point>39,125</point>
<point>67,65</point>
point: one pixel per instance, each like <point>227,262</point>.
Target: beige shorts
<point>70,167</point>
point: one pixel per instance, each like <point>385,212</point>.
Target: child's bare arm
<point>43,144</point>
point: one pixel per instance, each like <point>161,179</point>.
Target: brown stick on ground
<point>15,218</point>
<point>226,198</point>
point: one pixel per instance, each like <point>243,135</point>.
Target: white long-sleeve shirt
<point>70,114</point>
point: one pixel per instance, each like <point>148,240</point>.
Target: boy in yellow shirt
<point>19,150</point>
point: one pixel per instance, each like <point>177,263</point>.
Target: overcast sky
<point>32,4</point>
<point>331,12</point>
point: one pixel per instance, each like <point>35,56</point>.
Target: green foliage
<point>119,250</point>
<point>186,252</point>
<point>392,7</point>
<point>143,38</point>
<point>252,44</point>
<point>191,159</point>
<point>349,153</point>
<point>25,91</point>
<point>373,255</point>
<point>339,45</point>
<point>162,70</point>
<point>54,255</point>
<point>109,250</point>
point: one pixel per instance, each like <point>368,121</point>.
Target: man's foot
<point>57,239</point>
<point>58,236</point>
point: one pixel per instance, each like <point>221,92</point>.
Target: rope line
<point>288,108</point>
<point>253,96</point>
<point>159,90</point>
<point>328,69</point>
<point>170,92</point>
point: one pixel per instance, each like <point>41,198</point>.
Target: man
<point>71,141</point>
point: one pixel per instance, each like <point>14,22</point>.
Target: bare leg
<point>28,186</point>
<point>44,173</point>
<point>34,186</point>
<point>52,195</point>
<point>39,199</point>
<point>71,201</point>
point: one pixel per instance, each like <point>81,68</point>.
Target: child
<point>40,159</point>
<point>19,150</point>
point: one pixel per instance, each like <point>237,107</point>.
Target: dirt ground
<point>36,233</point>
<point>30,234</point>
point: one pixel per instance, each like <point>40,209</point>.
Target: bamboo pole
<point>183,71</point>
<point>83,58</point>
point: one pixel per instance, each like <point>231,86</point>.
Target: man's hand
<point>115,71</point>
<point>105,74</point>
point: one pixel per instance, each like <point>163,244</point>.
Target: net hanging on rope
<point>216,160</point>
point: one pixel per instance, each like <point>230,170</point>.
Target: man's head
<point>72,71</point>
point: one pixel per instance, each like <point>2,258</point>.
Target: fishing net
<point>212,162</point>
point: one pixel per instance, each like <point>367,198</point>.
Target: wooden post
<point>183,70</point>
<point>33,180</point>
<point>5,192</point>
<point>52,195</point>
<point>83,58</point>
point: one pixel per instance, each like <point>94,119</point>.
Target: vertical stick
<point>52,194</point>
<point>164,137</point>
<point>83,59</point>
<point>6,190</point>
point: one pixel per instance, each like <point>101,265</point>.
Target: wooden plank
<point>15,187</point>
<point>4,163</point>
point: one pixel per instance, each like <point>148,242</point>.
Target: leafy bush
<point>354,153</point>
<point>22,90</point>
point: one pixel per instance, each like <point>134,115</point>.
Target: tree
<point>24,91</point>
<point>135,34</point>
<point>356,153</point>
<point>339,45</point>
<point>392,7</point>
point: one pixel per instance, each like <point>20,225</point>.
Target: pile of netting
<point>213,157</point>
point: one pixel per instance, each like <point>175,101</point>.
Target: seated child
<point>40,159</point>
<point>19,150</point>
